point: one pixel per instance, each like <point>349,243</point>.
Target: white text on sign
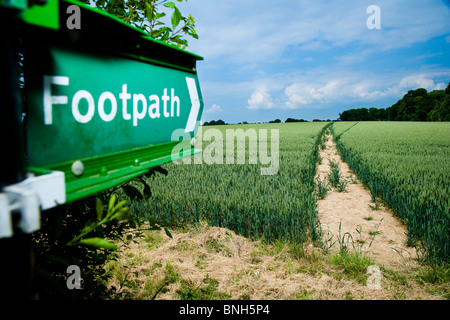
<point>167,105</point>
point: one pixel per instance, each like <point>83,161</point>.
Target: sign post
<point>15,265</point>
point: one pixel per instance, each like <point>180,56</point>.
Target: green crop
<point>407,165</point>
<point>238,197</point>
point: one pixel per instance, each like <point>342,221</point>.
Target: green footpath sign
<point>94,105</point>
<point>104,109</point>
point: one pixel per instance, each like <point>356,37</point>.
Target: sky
<point>313,59</point>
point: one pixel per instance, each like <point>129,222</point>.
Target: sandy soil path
<point>378,233</point>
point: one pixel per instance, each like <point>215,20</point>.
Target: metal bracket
<point>28,197</point>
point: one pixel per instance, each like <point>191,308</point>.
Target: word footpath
<point>139,103</point>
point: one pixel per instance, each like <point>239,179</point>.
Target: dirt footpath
<point>374,230</point>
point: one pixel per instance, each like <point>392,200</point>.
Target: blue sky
<point>267,59</point>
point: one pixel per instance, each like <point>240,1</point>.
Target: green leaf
<point>88,227</point>
<point>165,36</point>
<point>159,15</point>
<point>176,18</point>
<point>168,233</point>
<point>120,213</point>
<point>157,33</point>
<point>119,205</point>
<point>99,209</point>
<point>98,243</point>
<point>112,200</point>
<point>179,40</point>
<point>169,5</point>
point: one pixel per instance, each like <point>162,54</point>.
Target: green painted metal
<point>105,96</point>
<point>43,15</point>
<point>15,4</point>
<point>104,172</point>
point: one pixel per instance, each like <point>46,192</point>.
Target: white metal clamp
<point>28,197</point>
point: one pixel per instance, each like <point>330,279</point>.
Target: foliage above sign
<point>146,15</point>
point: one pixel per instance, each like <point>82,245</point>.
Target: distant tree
<point>416,105</point>
<point>361,114</point>
<point>407,105</point>
<point>345,115</point>
<point>214,123</point>
<point>295,120</point>
<point>442,110</point>
<point>275,121</point>
<point>375,114</point>
<point>392,112</point>
<point>372,114</point>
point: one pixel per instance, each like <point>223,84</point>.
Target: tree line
<point>416,105</point>
<point>221,122</point>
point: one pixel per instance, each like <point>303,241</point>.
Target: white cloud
<point>214,109</point>
<point>260,99</point>
<point>261,31</point>
<point>415,81</point>
<point>302,94</point>
<point>321,88</point>
<point>418,81</point>
<point>365,91</point>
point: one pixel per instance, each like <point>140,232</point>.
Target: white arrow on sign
<point>192,87</point>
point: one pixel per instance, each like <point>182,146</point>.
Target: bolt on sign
<point>103,100</point>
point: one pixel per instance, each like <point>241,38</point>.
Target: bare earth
<point>244,269</point>
<point>351,212</point>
